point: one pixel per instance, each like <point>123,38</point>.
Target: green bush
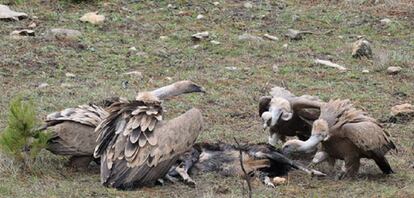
<point>20,140</point>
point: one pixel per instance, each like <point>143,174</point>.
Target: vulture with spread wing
<point>260,160</point>
<point>73,131</point>
<point>288,115</point>
<point>347,134</point>
<point>137,147</point>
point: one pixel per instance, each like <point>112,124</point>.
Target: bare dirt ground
<point>235,73</point>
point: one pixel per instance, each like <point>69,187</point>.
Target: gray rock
<point>296,34</point>
<point>42,85</point>
<point>7,14</point>
<point>63,34</point>
<point>24,32</point>
<point>393,70</point>
<point>361,48</point>
<point>248,5</point>
<point>249,37</point>
<point>200,36</point>
<point>385,21</point>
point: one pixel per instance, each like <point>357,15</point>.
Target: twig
<point>246,176</point>
<point>330,64</point>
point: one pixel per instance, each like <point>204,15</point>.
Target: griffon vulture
<point>261,160</point>
<point>73,131</point>
<point>288,115</point>
<point>347,134</point>
<point>136,146</point>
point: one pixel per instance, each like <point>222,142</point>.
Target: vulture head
<point>279,109</point>
<point>177,88</point>
<point>320,132</point>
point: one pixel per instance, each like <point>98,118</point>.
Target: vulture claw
<point>268,182</point>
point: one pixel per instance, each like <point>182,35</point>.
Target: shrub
<point>20,140</point>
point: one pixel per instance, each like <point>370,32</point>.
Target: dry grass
<point>101,55</point>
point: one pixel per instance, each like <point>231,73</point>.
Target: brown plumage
<point>137,148</point>
<point>288,115</point>
<point>347,134</point>
<point>73,131</point>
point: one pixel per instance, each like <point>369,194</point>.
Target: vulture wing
<point>307,107</point>
<point>364,132</point>
<point>136,147</point>
<point>90,115</point>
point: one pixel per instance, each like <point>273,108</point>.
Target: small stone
<point>92,17</point>
<point>216,3</point>
<point>195,46</point>
<point>296,34</point>
<point>215,42</point>
<point>285,45</point>
<point>134,73</point>
<point>270,37</point>
<point>24,32</point>
<point>393,70</point>
<point>200,16</point>
<point>402,109</point>
<point>278,181</point>
<point>63,34</point>
<point>168,78</point>
<point>42,85</point>
<point>70,75</point>
<point>275,68</point>
<point>32,25</point>
<point>232,68</point>
<point>164,38</point>
<point>250,37</point>
<point>365,71</point>
<point>171,6</point>
<point>67,85</point>
<point>132,49</point>
<point>295,18</point>
<point>248,5</point>
<point>142,54</point>
<point>341,37</point>
<point>7,14</point>
<point>361,48</point>
<point>200,36</point>
<point>385,21</point>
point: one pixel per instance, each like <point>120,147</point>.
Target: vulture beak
<point>276,113</point>
<point>197,88</point>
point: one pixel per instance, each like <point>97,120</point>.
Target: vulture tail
<point>383,165</point>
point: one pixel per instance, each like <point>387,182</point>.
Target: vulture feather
<point>137,146</point>
<point>73,131</point>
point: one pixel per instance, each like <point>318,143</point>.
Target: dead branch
<point>246,176</point>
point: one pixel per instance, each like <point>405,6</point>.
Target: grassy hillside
<point>235,73</point>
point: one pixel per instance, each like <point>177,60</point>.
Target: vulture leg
<point>80,162</point>
<point>351,167</point>
<point>383,164</point>
<point>319,157</point>
<point>273,139</point>
<point>171,178</point>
